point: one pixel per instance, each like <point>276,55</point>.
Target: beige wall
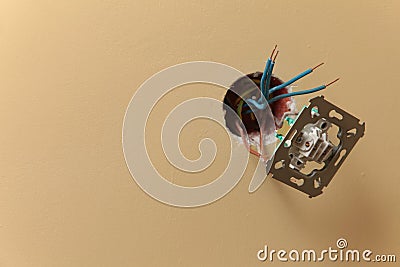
<point>67,72</point>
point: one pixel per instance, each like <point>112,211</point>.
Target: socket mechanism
<point>307,158</point>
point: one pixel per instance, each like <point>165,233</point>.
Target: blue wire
<point>264,76</point>
<point>266,90</point>
<point>276,98</point>
<point>257,104</point>
<point>263,87</point>
<point>309,91</point>
<point>265,84</point>
<point>298,77</point>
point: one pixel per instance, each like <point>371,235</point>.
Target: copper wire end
<point>273,51</point>
<point>319,65</point>
<point>277,52</point>
<point>332,82</point>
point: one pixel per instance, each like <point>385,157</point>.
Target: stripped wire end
<point>277,52</point>
<point>273,51</point>
<point>319,65</point>
<point>332,82</point>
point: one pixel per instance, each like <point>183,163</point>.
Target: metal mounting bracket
<point>312,125</point>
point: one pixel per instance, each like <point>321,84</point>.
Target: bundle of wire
<point>272,92</point>
<point>262,102</point>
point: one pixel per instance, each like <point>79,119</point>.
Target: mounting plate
<point>350,131</point>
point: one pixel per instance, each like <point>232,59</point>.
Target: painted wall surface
<point>67,72</point>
